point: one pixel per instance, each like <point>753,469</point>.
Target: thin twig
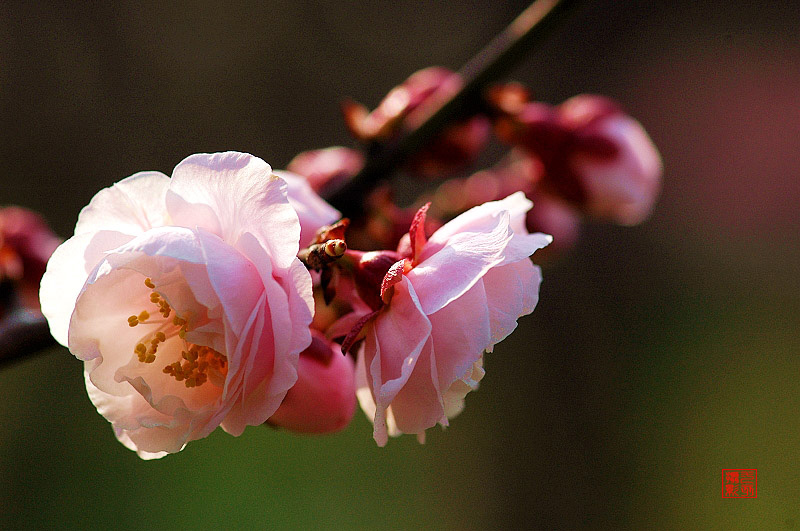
<point>508,48</point>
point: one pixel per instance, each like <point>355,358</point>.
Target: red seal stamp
<point>739,483</point>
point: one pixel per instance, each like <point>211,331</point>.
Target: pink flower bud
<point>26,243</point>
<point>324,398</point>
<point>622,186</point>
<point>517,172</point>
<point>386,119</point>
<point>593,155</point>
<point>327,168</point>
<point>459,145</point>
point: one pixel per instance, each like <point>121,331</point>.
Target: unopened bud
<point>323,398</point>
<point>517,172</point>
<point>509,98</point>
<point>456,147</point>
<point>408,105</point>
<point>592,154</point>
<point>335,248</point>
<point>320,255</point>
<point>618,166</point>
<point>557,218</point>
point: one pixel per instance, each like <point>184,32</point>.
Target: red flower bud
<point>556,218</point>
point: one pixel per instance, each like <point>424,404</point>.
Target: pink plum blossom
<point>327,168</point>
<point>624,185</point>
<point>593,155</point>
<point>456,295</point>
<point>185,300</point>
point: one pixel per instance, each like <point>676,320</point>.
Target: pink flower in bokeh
<point>457,295</point>
<point>327,168</point>
<point>26,243</point>
<point>621,185</point>
<point>593,155</point>
<point>185,300</point>
<point>323,400</point>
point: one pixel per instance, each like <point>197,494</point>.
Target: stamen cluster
<point>197,359</point>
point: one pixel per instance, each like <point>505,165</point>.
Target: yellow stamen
<point>195,361</point>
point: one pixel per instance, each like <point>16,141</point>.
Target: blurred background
<point>658,354</point>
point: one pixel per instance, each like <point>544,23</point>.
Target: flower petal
<point>312,210</point>
<point>366,399</point>
<point>392,347</point>
<point>473,219</point>
<point>418,405</point>
<point>461,332</point>
<point>462,261</point>
<point>454,397</point>
<point>230,194</point>
<point>131,206</point>
<point>511,291</point>
<point>67,271</point>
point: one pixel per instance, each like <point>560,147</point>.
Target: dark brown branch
<point>23,333</point>
<point>496,59</point>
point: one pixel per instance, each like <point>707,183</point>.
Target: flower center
<point>196,361</point>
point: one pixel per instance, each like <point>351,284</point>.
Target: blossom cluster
<point>185,298</point>
<point>231,295</point>
<point>583,158</point>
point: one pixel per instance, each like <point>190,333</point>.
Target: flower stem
<point>502,53</point>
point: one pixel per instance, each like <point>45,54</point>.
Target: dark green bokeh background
<point>658,355</point>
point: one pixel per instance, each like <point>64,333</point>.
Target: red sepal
<point>417,233</point>
<point>357,333</point>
